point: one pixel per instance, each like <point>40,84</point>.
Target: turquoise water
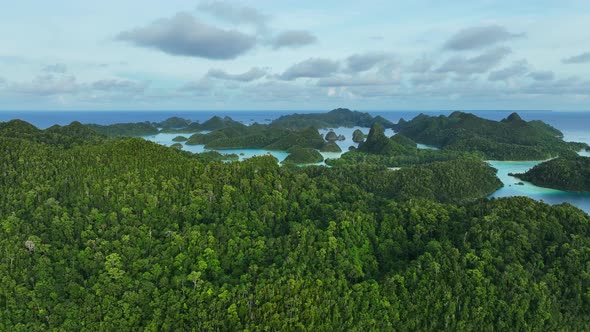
<point>574,125</point>
<point>546,195</point>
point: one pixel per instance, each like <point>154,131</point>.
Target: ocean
<point>574,125</point>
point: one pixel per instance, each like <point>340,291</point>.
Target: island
<point>120,233</point>
<point>299,155</point>
<point>358,136</point>
<point>340,117</point>
<point>509,139</point>
<point>565,173</point>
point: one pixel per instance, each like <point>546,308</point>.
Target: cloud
<point>366,61</point>
<point>421,65</point>
<point>251,75</point>
<point>428,78</point>
<point>293,38</point>
<point>46,85</point>
<point>518,68</point>
<point>475,65</point>
<point>542,75</point>
<point>577,59</point>
<point>311,68</point>
<point>479,37</point>
<point>568,86</point>
<point>199,88</point>
<point>234,14</point>
<point>342,81</point>
<point>58,68</point>
<point>117,85</point>
<point>185,35</point>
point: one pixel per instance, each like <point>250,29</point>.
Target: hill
<point>509,139</point>
<point>341,117</point>
<point>569,174</point>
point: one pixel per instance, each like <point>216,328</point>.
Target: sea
<point>574,125</point>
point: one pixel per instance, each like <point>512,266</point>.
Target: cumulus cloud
<point>58,68</point>
<point>235,14</point>
<point>293,38</point>
<point>542,75</point>
<point>185,35</point>
<point>475,65</point>
<point>518,68</point>
<point>311,68</point>
<point>251,75</point>
<point>577,59</point>
<point>366,61</point>
<point>479,37</point>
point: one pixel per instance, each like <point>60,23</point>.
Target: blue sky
<point>295,55</point>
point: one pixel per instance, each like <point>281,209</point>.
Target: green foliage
<point>298,155</point>
<point>358,136</point>
<point>509,139</point>
<point>331,147</point>
<point>129,235</point>
<point>125,129</point>
<point>177,146</point>
<point>564,173</point>
<point>378,143</point>
<point>173,123</point>
<point>331,137</point>
<point>340,117</point>
<point>258,137</point>
<point>179,139</point>
<point>66,136</point>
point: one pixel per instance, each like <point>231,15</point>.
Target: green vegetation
<point>179,139</point>
<point>509,139</point>
<point>125,234</point>
<point>125,129</point>
<point>66,136</point>
<point>331,147</point>
<point>331,137</point>
<point>378,143</point>
<point>177,146</point>
<point>570,174</point>
<point>298,155</point>
<point>358,136</point>
<point>173,123</point>
<point>340,117</point>
<point>258,137</point>
<point>398,151</point>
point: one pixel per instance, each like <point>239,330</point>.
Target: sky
<point>295,55</point>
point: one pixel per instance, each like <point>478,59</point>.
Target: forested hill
<point>341,117</point>
<point>570,174</point>
<point>129,235</point>
<point>509,139</point>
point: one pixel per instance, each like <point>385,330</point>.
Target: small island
<point>358,136</point>
<point>570,173</point>
<point>299,155</point>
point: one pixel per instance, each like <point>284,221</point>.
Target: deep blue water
<point>574,125</point>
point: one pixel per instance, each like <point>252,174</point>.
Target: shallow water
<point>551,196</point>
<point>511,188</point>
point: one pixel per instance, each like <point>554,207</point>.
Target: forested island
<point>100,232</point>
<point>566,173</point>
<point>509,139</point>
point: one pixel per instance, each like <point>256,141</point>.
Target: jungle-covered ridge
<point>571,173</point>
<point>509,139</point>
<point>104,233</point>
